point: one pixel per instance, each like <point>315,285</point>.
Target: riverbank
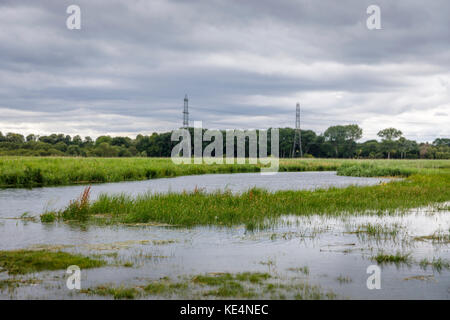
<point>16,172</point>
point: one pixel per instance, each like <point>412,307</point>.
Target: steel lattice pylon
<point>186,112</point>
<point>298,133</point>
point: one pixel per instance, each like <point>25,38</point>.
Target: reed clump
<point>29,261</point>
<point>373,170</point>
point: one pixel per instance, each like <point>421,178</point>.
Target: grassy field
<point>423,184</point>
<point>53,171</point>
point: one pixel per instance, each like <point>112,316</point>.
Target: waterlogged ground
<point>301,257</point>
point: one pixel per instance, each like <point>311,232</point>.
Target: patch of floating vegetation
<point>118,245</point>
<point>437,238</point>
<point>128,264</point>
<point>14,283</point>
<point>216,279</point>
<point>443,207</point>
<point>125,244</point>
<point>115,292</point>
<point>229,285</point>
<point>29,261</point>
<point>304,270</point>
<point>379,231</point>
<point>269,262</point>
<point>438,264</point>
<point>165,287</point>
<point>343,279</point>
<point>398,258</point>
<point>246,285</point>
<point>421,277</point>
<point>310,232</point>
<point>298,291</point>
<point>343,248</point>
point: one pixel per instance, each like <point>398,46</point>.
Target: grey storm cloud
<point>242,63</point>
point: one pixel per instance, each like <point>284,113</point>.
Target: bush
<point>48,217</point>
<point>371,170</point>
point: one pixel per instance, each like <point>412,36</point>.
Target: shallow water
<point>326,245</point>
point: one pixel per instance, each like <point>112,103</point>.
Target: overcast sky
<point>243,64</point>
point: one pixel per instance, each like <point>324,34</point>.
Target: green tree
<point>389,136</point>
<point>77,140</point>
<point>343,137</point>
<point>103,139</point>
<point>31,137</point>
<point>15,138</point>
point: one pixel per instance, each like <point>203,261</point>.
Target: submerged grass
<point>397,258</point>
<point>117,293</point>
<point>258,208</point>
<point>28,261</point>
<point>377,231</point>
<point>245,285</point>
<point>436,238</point>
<point>13,283</point>
<point>437,264</point>
<point>51,171</point>
<point>214,280</point>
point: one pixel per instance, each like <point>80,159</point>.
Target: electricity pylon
<point>298,133</point>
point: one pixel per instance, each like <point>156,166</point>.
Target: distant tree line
<point>336,142</point>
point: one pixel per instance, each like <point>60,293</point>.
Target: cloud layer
<point>243,64</point>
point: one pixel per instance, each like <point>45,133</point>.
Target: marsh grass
<point>304,270</point>
<point>437,264</point>
<point>436,238</point>
<point>344,279</point>
<point>245,285</point>
<point>13,283</point>
<point>165,287</point>
<point>373,170</point>
<point>213,280</point>
<point>377,231</point>
<point>117,293</point>
<point>29,261</point>
<point>397,258</point>
<point>52,171</point>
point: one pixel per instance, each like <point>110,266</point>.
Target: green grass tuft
<point>398,258</point>
<point>118,293</point>
<point>28,261</point>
